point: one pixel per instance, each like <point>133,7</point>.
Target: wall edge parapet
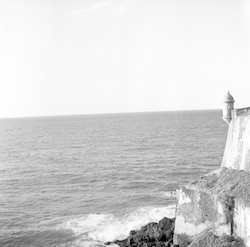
<point>242,111</point>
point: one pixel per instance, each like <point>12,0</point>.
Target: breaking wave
<point>108,227</point>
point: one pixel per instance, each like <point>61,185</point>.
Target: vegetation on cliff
<point>227,183</point>
<point>208,239</point>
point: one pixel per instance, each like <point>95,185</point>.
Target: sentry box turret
<point>228,106</point>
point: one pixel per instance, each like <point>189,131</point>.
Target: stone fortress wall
<point>220,201</point>
<point>237,150</point>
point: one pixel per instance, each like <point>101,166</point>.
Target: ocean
<point>70,181</point>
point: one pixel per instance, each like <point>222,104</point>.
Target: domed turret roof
<point>228,98</point>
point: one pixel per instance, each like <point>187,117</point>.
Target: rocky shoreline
<point>153,234</point>
<point>161,235</point>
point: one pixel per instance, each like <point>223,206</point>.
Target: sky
<point>67,57</point>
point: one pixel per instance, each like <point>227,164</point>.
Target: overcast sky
<point>62,57</point>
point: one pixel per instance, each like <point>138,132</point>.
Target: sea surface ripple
<point>84,180</point>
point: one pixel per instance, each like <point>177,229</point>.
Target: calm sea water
<point>84,180</point>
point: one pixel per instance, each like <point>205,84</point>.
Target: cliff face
<point>220,201</point>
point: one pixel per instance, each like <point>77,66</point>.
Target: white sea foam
<point>84,243</point>
<point>168,194</point>
<point>107,227</point>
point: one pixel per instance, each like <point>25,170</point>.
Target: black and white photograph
<point>124,123</point>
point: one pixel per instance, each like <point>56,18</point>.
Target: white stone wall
<point>192,208</point>
<point>198,211</point>
<point>237,150</point>
<point>242,222</point>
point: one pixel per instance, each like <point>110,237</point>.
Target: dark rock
<point>152,235</point>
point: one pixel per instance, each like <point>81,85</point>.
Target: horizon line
<point>105,113</point>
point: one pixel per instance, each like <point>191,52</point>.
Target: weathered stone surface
<point>241,222</point>
<point>237,150</point>
<point>197,211</point>
<point>153,234</point>
<point>218,201</point>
